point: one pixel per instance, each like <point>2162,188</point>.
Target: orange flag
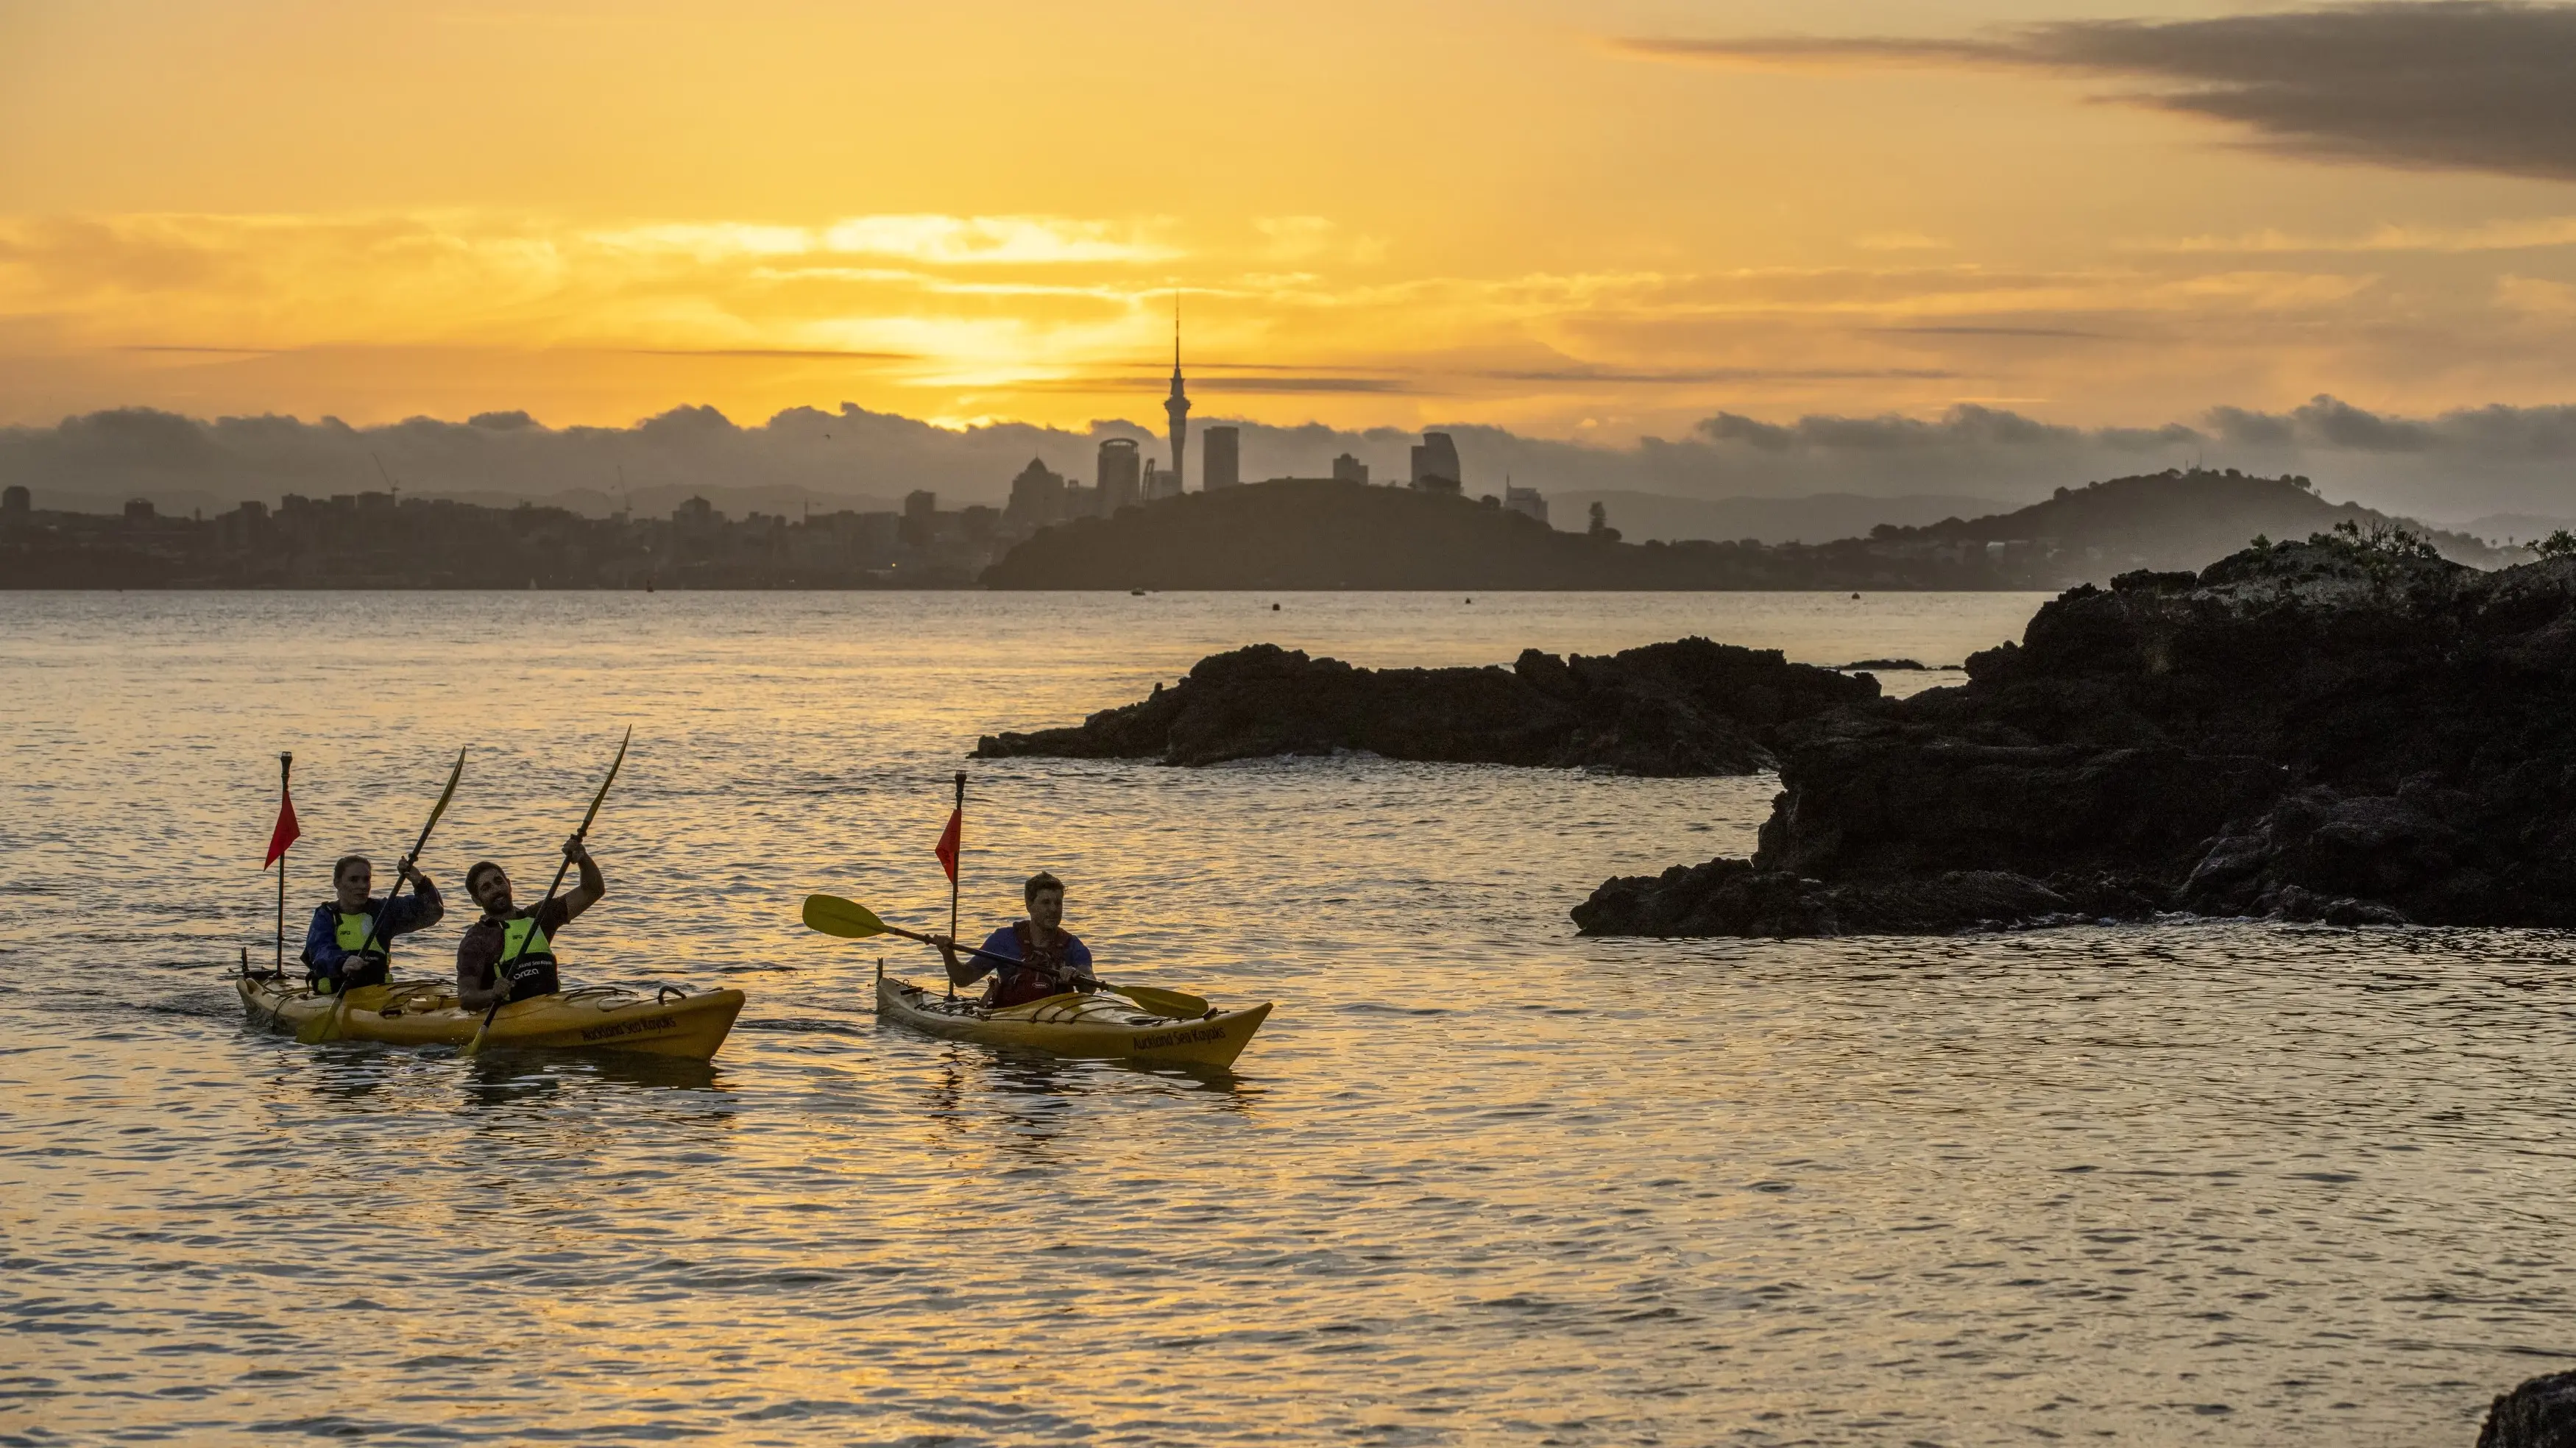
<point>949,839</point>
<point>286,832</point>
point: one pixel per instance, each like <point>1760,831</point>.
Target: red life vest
<point>1040,973</point>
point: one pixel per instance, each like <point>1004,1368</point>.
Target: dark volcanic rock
<point>2539,1414</point>
<point>1686,708</point>
<point>2343,730</point>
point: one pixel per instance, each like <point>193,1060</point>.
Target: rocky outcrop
<point>2539,1414</point>
<point>2349,730</point>
<point>1676,709</point>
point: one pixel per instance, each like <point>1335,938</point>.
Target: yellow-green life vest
<point>353,929</point>
<point>522,941</point>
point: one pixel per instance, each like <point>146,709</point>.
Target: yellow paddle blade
<point>481,1033</point>
<point>1178,1005</point>
<point>847,919</point>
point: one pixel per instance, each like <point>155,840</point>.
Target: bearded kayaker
<point>338,951</point>
<point>511,948</point>
<point>1037,957</point>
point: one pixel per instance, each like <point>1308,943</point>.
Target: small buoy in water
<point>1855,596</point>
<point>1471,600</point>
<point>1274,608</point>
<point>1140,593</point>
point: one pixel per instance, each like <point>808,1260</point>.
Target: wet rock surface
<point>2344,730</point>
<point>1677,709</point>
<point>2539,1414</point>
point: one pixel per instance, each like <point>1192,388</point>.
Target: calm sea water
<point>1477,1182</point>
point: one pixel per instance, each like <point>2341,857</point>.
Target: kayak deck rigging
<point>1076,1025</point>
<point>670,1022</point>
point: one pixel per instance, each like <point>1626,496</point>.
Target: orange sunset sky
<point>1594,220</point>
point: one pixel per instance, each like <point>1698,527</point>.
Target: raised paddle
<point>851,920</point>
<point>326,1026</point>
<point>501,982</point>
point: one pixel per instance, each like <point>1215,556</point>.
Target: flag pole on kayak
<point>952,841</point>
<point>500,984</point>
<point>326,1026</point>
<point>280,836</point>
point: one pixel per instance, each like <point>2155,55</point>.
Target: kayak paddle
<point>500,983</point>
<point>326,1026</point>
<point>850,920</point>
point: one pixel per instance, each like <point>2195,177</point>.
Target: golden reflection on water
<point>1477,1181</point>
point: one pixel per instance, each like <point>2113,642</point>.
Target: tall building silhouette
<point>1435,465</point>
<point>1221,458</point>
<point>1121,475</point>
<point>1177,406</point>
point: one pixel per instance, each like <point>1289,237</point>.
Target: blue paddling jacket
<point>335,934</point>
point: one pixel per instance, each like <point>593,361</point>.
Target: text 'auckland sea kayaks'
<point>595,1018</point>
<point>1083,1027</point>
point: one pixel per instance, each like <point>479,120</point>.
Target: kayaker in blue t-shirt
<point>1037,958</point>
<point>337,946</point>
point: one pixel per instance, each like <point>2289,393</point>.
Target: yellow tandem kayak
<point>1083,1027</point>
<point>596,1018</point>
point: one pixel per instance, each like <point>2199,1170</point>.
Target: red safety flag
<point>948,842</point>
<point>287,830</point>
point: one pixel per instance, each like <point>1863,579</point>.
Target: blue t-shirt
<point>1005,943</point>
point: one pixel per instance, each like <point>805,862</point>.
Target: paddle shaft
<point>413,858</point>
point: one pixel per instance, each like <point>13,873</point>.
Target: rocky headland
<point>2541,1413</point>
<point>2349,729</point>
<point>1677,709</point>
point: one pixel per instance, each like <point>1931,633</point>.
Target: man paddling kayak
<point>347,945</point>
<point>508,954</point>
<point>1036,957</point>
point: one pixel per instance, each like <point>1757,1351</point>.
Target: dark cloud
<point>2493,434</point>
<point>2454,466</point>
<point>2461,85</point>
<point>1965,426</point>
<point>2342,425</point>
<point>2251,429</point>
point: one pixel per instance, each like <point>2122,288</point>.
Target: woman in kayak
<point>511,949</point>
<point>347,925</point>
<point>1036,958</point>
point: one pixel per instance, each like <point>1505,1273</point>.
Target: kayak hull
<point>1078,1027</point>
<point>425,1013</point>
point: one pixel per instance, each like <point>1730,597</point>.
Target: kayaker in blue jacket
<point>1038,958</point>
<point>342,925</point>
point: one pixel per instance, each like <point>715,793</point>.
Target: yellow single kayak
<point>595,1018</point>
<point>1084,1027</point>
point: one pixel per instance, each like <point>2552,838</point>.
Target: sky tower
<point>1177,406</point>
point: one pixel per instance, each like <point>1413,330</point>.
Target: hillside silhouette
<point>1311,534</point>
